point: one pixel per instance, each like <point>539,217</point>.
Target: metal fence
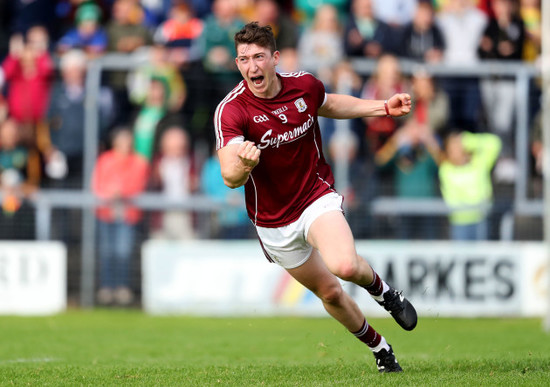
<point>46,201</point>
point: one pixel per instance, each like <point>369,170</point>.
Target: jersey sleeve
<point>229,124</point>
<point>318,91</point>
<point>317,88</point>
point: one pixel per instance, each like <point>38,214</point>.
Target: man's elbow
<point>231,183</point>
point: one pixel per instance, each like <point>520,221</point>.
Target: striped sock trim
<point>363,329</point>
<point>376,287</point>
<point>368,335</point>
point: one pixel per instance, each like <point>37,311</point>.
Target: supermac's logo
<point>300,105</point>
<point>269,139</point>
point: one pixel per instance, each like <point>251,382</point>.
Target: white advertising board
<point>33,278</point>
<point>464,279</point>
<point>440,278</point>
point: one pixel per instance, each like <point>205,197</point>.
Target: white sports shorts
<point>287,245</point>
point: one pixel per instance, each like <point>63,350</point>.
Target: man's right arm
<point>237,161</point>
<point>340,106</point>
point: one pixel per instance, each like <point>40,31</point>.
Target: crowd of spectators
<point>167,104</point>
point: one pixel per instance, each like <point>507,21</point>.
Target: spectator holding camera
<point>412,154</point>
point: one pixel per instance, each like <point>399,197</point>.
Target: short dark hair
<point>253,33</point>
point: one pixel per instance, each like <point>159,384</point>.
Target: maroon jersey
<point>292,172</point>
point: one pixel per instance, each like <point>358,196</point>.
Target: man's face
<point>257,66</point>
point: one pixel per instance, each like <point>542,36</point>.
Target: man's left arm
<point>341,106</point>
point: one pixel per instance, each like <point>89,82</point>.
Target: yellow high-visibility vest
<point>467,189</point>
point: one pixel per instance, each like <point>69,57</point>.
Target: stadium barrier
<point>48,200</point>
<point>489,279</point>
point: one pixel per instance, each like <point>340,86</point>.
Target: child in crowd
<point>465,179</point>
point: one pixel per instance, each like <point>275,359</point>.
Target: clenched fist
<point>249,154</point>
<point>399,104</point>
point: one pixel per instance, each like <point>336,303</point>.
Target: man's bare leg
<point>315,276</point>
<point>331,235</point>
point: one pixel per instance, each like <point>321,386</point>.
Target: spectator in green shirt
<point>146,124</point>
<point>216,44</point>
<point>465,181</point>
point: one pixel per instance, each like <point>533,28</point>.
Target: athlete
<point>268,139</point>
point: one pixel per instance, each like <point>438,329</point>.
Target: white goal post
<point>546,139</point>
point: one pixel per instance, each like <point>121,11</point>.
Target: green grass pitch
<point>111,347</point>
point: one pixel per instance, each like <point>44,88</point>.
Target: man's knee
<point>348,269</point>
<point>331,294</point>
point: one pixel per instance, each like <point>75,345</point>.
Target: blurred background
<point>107,148</point>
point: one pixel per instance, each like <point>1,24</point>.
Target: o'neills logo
<point>286,137</point>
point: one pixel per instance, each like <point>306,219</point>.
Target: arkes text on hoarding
<point>470,278</point>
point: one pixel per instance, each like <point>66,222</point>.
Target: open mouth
<point>257,80</point>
